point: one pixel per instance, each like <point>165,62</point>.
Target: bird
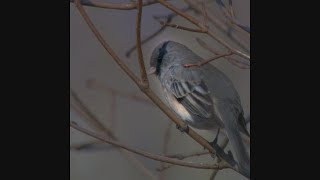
<point>202,96</point>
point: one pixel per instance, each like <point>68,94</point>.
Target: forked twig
<point>146,89</point>
<point>208,60</point>
<point>230,59</point>
<point>144,78</point>
<point>201,26</point>
<point>119,6</point>
<point>150,155</point>
<point>93,121</point>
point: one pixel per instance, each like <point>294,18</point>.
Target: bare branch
<point>105,44</point>
<point>231,9</point>
<point>182,14</point>
<point>90,146</point>
<point>234,61</point>
<point>119,6</point>
<point>200,25</point>
<point>143,73</point>
<point>207,61</point>
<point>205,14</point>
<point>167,136</point>
<point>92,83</point>
<point>80,107</point>
<point>182,27</point>
<point>148,91</point>
<point>168,20</point>
<point>150,155</point>
<point>183,156</point>
<point>223,146</point>
<point>222,26</point>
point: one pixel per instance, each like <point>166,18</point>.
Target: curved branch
<point>146,90</point>
<point>143,72</point>
<point>93,121</point>
<point>150,155</point>
<point>204,28</point>
<point>104,43</point>
<point>119,6</point>
<point>208,60</point>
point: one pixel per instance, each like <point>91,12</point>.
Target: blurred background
<point>118,103</point>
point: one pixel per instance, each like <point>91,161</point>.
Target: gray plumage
<point>202,96</point>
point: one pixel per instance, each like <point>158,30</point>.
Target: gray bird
<point>201,96</point>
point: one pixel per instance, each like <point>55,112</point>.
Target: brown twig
<point>90,146</point>
<point>223,146</point>
<point>208,60</point>
<point>104,43</point>
<point>231,20</point>
<point>90,118</point>
<point>113,111</point>
<point>180,157</point>
<point>182,27</point>
<point>92,83</point>
<point>167,136</point>
<point>201,26</point>
<point>215,20</point>
<point>119,6</point>
<point>230,59</point>
<point>144,78</point>
<point>150,155</point>
<point>205,14</point>
<point>147,91</point>
<point>231,9</point>
<point>183,156</point>
<point>93,121</point>
<point>168,20</point>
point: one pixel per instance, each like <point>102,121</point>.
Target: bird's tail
<point>233,132</point>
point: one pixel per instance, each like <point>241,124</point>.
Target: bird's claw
<point>184,128</point>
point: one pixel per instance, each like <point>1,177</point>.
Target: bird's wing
<point>188,87</point>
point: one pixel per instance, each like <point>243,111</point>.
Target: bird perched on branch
<point>202,96</point>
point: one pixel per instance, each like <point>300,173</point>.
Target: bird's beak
<point>151,70</point>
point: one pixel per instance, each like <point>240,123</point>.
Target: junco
<point>201,95</point>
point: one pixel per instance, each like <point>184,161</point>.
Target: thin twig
<point>215,20</point>
<point>181,27</point>
<point>205,14</point>
<point>104,43</point>
<point>230,59</point>
<point>144,78</point>
<point>89,146</point>
<point>203,142</point>
<point>168,20</point>
<point>183,156</point>
<point>234,21</point>
<point>207,61</point>
<point>150,155</point>
<point>180,157</point>
<point>231,9</point>
<point>119,6</point>
<point>223,146</point>
<point>113,111</point>
<point>200,25</point>
<point>167,136</point>
<point>92,83</point>
<point>90,118</point>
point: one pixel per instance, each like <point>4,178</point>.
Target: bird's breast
<point>177,107</point>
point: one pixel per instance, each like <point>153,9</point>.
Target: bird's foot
<point>183,129</point>
<point>215,141</point>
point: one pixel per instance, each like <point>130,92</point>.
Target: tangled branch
<point>143,83</point>
<point>219,166</point>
